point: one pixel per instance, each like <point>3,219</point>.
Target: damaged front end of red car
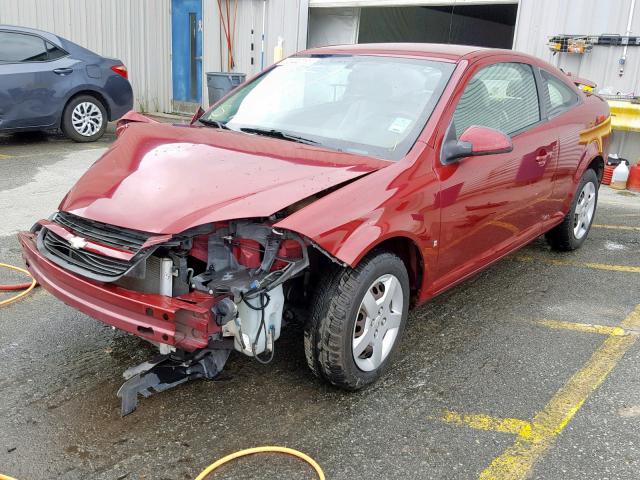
<point>173,235</point>
<point>196,295</point>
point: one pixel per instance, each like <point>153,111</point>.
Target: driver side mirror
<point>474,141</point>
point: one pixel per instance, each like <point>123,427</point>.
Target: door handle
<point>62,71</point>
<point>542,157</point>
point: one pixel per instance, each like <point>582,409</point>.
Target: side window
<point>20,47</point>
<point>53,52</point>
<point>561,97</point>
<point>501,96</point>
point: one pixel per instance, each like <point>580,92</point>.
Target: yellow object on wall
<point>625,116</point>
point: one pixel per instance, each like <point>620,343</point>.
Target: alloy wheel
<point>585,208</point>
<point>86,119</point>
<point>377,323</point>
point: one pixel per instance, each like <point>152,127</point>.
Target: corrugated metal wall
<point>137,32</point>
<point>285,18</point>
<point>540,19</point>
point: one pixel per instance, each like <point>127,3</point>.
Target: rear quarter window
<point>560,97</point>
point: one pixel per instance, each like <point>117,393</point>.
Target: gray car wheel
<point>84,119</point>
<point>574,229</point>
<point>357,319</point>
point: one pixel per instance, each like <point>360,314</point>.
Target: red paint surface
<point>486,140</point>
<point>633,182</point>
<point>162,179</point>
<point>185,322</point>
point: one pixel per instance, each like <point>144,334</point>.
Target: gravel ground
<point>478,349</point>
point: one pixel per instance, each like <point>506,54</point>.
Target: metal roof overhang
<point>404,3</point>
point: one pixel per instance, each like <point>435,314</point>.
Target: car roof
<point>450,52</point>
<point>47,35</point>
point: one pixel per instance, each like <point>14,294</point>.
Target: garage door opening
<point>481,25</point>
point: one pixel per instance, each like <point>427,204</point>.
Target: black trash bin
<point>220,83</point>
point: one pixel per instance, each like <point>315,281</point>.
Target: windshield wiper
<point>214,123</point>
<point>279,134</point>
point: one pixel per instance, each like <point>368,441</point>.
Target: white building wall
<point>137,32</point>
<point>540,19</point>
<point>286,19</point>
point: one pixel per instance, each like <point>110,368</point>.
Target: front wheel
<point>574,229</point>
<point>84,119</point>
<point>357,321</point>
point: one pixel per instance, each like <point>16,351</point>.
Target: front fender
<point>396,201</point>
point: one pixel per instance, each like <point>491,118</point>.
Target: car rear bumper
<point>185,322</point>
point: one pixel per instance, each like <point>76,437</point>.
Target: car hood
<point>165,179</point>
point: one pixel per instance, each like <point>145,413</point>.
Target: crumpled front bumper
<point>185,322</point>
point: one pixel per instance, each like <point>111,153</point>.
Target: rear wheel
<point>574,229</point>
<point>84,119</point>
<point>357,321</point>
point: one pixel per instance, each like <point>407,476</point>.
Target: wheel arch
<point>597,165</point>
<point>592,157</point>
<point>408,251</point>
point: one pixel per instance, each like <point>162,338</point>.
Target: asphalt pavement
<point>529,370</point>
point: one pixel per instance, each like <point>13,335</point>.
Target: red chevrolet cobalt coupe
<point>340,186</point>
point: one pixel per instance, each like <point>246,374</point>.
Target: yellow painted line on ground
<point>3,157</point>
<point>486,422</point>
<point>571,263</point>
<point>585,327</point>
<point>616,227</point>
<point>516,462</point>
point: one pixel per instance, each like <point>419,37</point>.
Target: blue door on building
<point>186,50</point>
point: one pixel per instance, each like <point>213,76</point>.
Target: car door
<point>492,204</point>
<point>560,101</point>
<point>35,76</point>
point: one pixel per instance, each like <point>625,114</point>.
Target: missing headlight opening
<point>247,264</point>
<point>239,271</point>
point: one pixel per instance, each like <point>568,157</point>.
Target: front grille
<point>87,263</point>
<point>101,232</point>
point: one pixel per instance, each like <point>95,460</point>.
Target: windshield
<point>368,105</point>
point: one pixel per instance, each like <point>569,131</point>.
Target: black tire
<point>328,334</point>
<point>67,125</point>
<point>562,237</point>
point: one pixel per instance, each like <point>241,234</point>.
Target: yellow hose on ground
<point>243,453</point>
<point>20,295</point>
<point>250,451</point>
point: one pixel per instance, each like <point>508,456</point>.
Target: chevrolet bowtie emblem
<point>77,243</point>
